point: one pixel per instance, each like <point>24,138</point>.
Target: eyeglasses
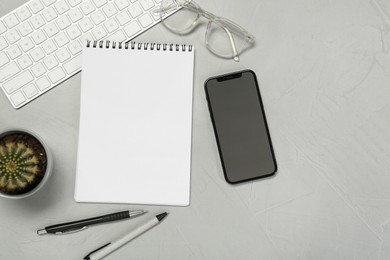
<point>223,37</point>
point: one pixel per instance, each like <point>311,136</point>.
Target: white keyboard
<point>41,41</point>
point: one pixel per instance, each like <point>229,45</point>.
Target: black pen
<point>79,225</point>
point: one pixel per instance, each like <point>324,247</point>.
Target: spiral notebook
<point>135,124</point>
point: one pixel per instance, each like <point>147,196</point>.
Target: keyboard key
<point>145,20</point>
<point>56,75</point>
<point>99,33</point>
<point>61,7</point>
<point>42,83</point>
<point>73,32</point>
<point>63,22</point>
<point>121,4</point>
<point>49,14</point>
<point>8,71</point>
<point>36,6</point>
<point>38,37</point>
<point>3,43</point>
<point>37,54</point>
<point>26,44</point>
<point>87,7</point>
<point>14,51</point>
<point>37,21</point>
<point>73,3</point>
<point>61,39</point>
<point>49,47</point>
<point>50,62</point>
<point>19,81</point>
<point>38,69</point>
<point>25,29</point>
<point>99,3</point>
<point>25,61</point>
<point>146,4</point>
<point>98,17</point>
<point>48,2</point>
<point>73,64</point>
<point>3,59</point>
<point>51,29</point>
<point>75,14</point>
<point>3,29</point>
<point>123,18</point>
<point>111,25</point>
<point>11,21</point>
<point>110,10</point>
<point>132,28</point>
<point>75,47</point>
<point>23,13</point>
<point>85,24</point>
<point>118,36</point>
<point>12,36</point>
<point>135,10</point>
<point>63,55</point>
<point>18,98</point>
<point>30,91</point>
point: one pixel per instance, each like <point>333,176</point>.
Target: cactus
<point>19,168</point>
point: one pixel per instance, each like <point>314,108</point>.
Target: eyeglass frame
<point>220,21</point>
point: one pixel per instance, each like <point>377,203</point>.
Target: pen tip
<point>161,216</point>
<point>41,232</point>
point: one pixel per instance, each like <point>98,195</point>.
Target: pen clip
<point>74,230</point>
<point>87,256</point>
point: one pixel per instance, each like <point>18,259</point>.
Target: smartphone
<point>240,126</point>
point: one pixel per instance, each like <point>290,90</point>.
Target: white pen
<point>111,247</point>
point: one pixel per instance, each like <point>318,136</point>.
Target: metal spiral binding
<point>139,46</point>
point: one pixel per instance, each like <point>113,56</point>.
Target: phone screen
<point>240,126</point>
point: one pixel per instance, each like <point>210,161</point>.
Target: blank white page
<point>135,126</point>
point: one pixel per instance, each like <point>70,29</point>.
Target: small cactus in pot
<point>23,163</point>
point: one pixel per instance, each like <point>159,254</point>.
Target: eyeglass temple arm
<point>232,26</point>
<point>235,53</point>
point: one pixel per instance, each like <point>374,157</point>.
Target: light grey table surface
<point>324,73</point>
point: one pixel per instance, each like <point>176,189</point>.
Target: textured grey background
<point>324,73</point>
